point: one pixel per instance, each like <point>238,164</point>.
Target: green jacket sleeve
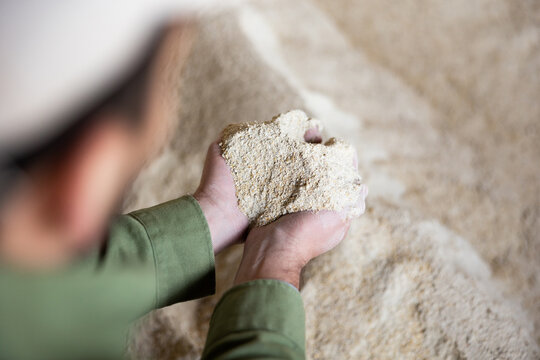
<point>175,238</point>
<point>153,257</point>
<point>261,319</point>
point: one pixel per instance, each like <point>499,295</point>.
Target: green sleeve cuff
<point>182,248</point>
<point>271,310</point>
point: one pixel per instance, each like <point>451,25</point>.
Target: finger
<point>313,136</point>
<point>214,149</point>
<point>361,202</point>
<point>345,231</point>
<point>330,218</point>
<point>364,191</point>
<point>337,225</point>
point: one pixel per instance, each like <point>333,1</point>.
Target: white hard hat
<point>58,56</point>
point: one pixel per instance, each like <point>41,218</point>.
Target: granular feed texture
<point>276,171</point>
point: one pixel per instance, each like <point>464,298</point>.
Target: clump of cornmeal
<point>277,172</point>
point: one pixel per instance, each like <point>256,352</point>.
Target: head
<point>67,186</point>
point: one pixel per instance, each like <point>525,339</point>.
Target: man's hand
<point>281,249</point>
<point>217,197</point>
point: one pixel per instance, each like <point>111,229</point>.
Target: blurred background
<point>441,100</point>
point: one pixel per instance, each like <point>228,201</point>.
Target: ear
<point>92,179</point>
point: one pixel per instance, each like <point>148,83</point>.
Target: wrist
<point>263,260</point>
<point>224,230</point>
<point>210,212</point>
<point>250,271</point>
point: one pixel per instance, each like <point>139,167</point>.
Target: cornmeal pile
<point>276,171</point>
<point>446,265</point>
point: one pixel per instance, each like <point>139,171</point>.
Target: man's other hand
<point>217,197</point>
<point>281,249</point>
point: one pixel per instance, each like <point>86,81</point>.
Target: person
<point>73,274</point>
